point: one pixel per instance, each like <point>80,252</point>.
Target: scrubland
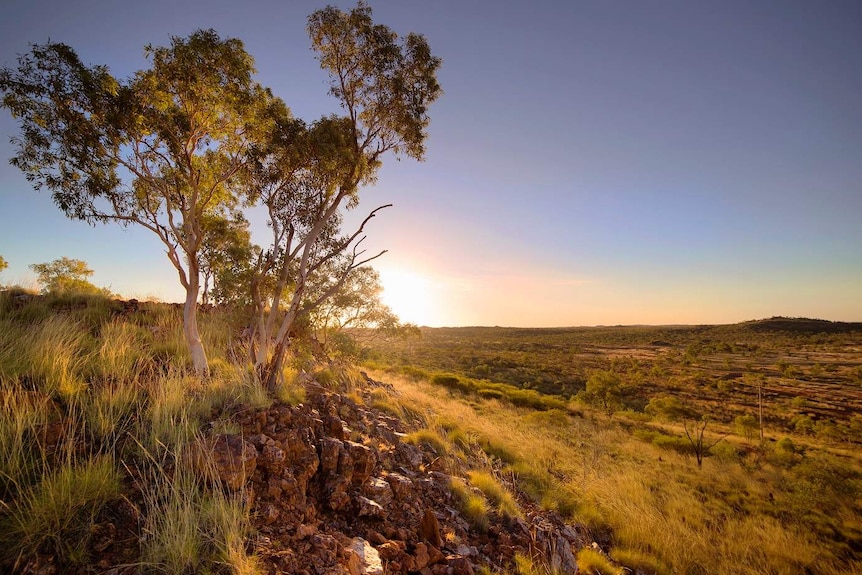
<point>101,412</point>
<point>592,423</point>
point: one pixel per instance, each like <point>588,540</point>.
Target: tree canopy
<point>182,147</point>
<point>66,276</point>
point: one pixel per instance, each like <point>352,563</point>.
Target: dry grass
<point>661,509</point>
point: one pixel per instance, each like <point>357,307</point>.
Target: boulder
<point>363,559</point>
<point>378,490</point>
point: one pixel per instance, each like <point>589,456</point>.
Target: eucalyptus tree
<point>159,150</point>
<point>307,175</point>
<point>66,276</point>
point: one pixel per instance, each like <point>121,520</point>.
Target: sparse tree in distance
<point>3,264</point>
<point>699,446</point>
<point>225,249</point>
<point>158,150</point>
<point>746,425</point>
<point>66,276</point>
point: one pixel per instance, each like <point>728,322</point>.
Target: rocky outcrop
<point>336,491</point>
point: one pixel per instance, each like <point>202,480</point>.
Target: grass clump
<point>638,561</point>
<point>593,561</point>
<point>428,438</point>
<point>189,526</point>
<point>473,505</point>
<point>495,492</point>
<point>22,415</point>
<point>56,513</point>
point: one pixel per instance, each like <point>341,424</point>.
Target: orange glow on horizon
<point>410,295</point>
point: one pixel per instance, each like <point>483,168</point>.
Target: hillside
<point>116,459</point>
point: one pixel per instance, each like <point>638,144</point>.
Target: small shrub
<point>451,382</point>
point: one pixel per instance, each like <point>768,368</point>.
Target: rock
<point>429,530</point>
<point>304,530</point>
<point>330,449</point>
<point>363,559</point>
<point>378,490</point>
<point>401,485</point>
<point>233,459</point>
<point>334,427</point>
<point>421,556</point>
<point>369,508</point>
<point>273,459</point>
<point>270,513</point>
<point>363,460</point>
<point>459,565</point>
<point>337,497</point>
<point>410,454</point>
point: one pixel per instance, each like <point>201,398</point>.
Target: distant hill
<point>801,325</point>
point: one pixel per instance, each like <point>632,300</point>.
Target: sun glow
<point>410,296</point>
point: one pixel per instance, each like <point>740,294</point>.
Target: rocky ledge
<point>333,489</point>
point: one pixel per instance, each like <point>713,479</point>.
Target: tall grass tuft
<point>473,505</point>
<point>496,493</point>
<point>122,351</point>
<point>52,354</point>
<point>190,526</point>
<point>56,513</point>
<point>22,415</point>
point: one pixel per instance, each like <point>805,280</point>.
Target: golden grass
<point>495,492</point>
<point>660,508</point>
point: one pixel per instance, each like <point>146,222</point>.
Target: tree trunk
<point>190,328</point>
<point>272,370</point>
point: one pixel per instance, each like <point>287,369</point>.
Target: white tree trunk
<point>190,328</point>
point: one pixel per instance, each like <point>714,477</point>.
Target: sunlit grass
<point>56,513</point>
<point>598,473</point>
<point>188,525</point>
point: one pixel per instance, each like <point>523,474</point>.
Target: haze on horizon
<point>589,162</point>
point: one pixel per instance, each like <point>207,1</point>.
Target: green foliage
<point>190,528</point>
<point>66,276</point>
<point>746,425</point>
<point>669,407</point>
<point>3,264</point>
<point>604,389</point>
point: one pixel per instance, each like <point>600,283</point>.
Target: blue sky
<point>589,162</point>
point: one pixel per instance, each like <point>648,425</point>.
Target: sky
<point>589,163</point>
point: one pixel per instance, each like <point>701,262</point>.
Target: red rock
<point>330,449</point>
<point>401,485</point>
<point>363,459</point>
<point>429,530</point>
<point>273,459</point>
<point>369,508</point>
<point>378,490</point>
<point>460,565</point>
<point>233,459</point>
